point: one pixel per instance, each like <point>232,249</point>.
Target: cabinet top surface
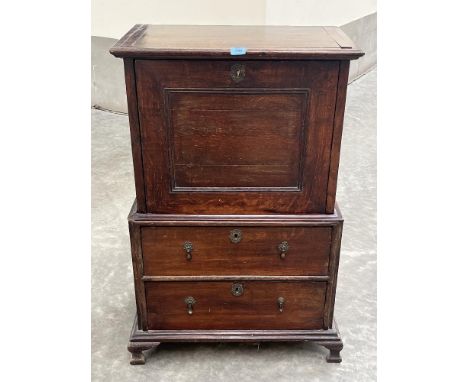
<point>236,42</point>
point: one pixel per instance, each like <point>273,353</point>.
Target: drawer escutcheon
<point>235,236</point>
<point>237,289</point>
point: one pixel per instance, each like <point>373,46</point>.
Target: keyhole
<point>236,236</point>
<point>237,72</point>
<point>237,290</point>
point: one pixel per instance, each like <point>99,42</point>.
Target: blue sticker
<point>238,51</point>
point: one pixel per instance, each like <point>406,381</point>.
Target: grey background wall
<point>358,19</point>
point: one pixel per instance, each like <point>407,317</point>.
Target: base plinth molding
<point>141,340</point>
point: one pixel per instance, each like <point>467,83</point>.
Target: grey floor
<point>113,306</point>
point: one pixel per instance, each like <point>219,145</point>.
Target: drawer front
<point>236,136</point>
<point>235,305</point>
<point>269,251</point>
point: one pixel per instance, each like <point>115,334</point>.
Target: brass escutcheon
<point>237,72</point>
<point>235,235</point>
<point>237,289</point>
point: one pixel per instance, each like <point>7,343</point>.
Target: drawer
<point>235,305</point>
<point>268,251</point>
<point>235,137</point>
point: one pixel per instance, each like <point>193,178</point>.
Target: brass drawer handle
<point>188,247</point>
<point>190,302</point>
<point>283,248</point>
<point>235,236</point>
<point>281,304</point>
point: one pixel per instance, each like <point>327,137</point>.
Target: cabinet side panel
<point>333,273</point>
<point>137,262</point>
<point>337,133</point>
<point>134,121</point>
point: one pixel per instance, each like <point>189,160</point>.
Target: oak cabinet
<point>236,134</point>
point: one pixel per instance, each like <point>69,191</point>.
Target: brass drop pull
<point>283,248</point>
<point>188,247</point>
<point>281,304</point>
<point>190,302</point>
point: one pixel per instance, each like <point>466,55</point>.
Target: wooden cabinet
<point>235,233</point>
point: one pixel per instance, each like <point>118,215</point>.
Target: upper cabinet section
<point>252,137</point>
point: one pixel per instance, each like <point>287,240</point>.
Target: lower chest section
<point>225,275</point>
